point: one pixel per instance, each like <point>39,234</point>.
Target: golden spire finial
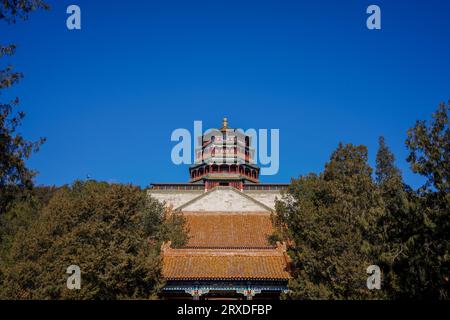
<point>225,123</point>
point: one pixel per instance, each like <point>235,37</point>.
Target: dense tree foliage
<point>112,232</point>
<point>331,218</point>
<point>426,272</point>
<point>397,219</point>
<point>343,220</point>
<point>23,211</point>
<point>15,178</point>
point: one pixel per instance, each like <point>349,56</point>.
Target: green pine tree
<point>112,232</point>
<point>427,268</point>
<point>332,220</point>
<point>396,222</point>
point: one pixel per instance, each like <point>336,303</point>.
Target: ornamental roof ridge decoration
<point>225,123</point>
<point>278,249</point>
<point>212,213</point>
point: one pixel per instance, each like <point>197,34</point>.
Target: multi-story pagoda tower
<point>228,216</point>
<point>224,158</point>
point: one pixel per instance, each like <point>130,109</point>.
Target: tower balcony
<point>224,172</point>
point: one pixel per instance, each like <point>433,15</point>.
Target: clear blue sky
<point>108,97</point>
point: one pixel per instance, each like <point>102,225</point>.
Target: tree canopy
<point>344,219</point>
<point>331,219</point>
<point>113,232</point>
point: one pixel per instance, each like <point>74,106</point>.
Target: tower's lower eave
<point>259,264</point>
<point>235,271</point>
<point>221,289</point>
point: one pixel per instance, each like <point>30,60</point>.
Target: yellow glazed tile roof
<point>256,264</point>
<point>220,230</point>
